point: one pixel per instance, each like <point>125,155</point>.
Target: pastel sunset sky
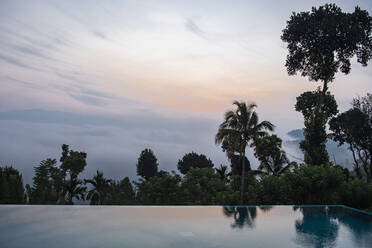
<point>114,77</point>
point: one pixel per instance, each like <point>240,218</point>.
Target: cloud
<point>29,51</point>
<point>113,143</point>
<point>100,34</point>
<point>90,100</point>
<point>17,63</point>
<point>191,26</point>
<point>25,83</point>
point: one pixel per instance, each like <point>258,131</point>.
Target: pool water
<point>196,226</point>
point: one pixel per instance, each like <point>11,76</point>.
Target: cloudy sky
<point>114,77</point>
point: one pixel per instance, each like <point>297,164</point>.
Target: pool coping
<point>297,205</point>
<point>321,205</point>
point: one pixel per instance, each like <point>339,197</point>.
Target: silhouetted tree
<point>364,104</point>
<point>354,128</point>
<point>324,40</point>
<point>72,164</point>
<point>202,186</point>
<point>239,128</point>
<point>320,43</point>
<point>314,184</point>
<point>273,160</point>
<point>46,188</point>
<point>236,164</point>
<point>147,165</point>
<point>99,193</point>
<point>74,189</point>
<point>314,144</point>
<point>121,193</point>
<point>161,189</point>
<point>11,186</point>
<point>58,185</point>
<point>193,160</point>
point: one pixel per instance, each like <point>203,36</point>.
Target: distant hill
<point>340,154</point>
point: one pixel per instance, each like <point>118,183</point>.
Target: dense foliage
<point>238,130</point>
<point>11,186</point>
<point>58,185</point>
<point>147,165</point>
<point>354,127</point>
<point>273,160</point>
<point>315,121</point>
<point>320,43</point>
<point>193,160</point>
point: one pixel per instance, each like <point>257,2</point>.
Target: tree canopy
<point>322,41</point>
<point>100,189</point>
<point>11,186</point>
<point>147,165</point>
<point>193,160</point>
<point>354,127</point>
<point>273,160</point>
<point>315,120</point>
<point>47,183</point>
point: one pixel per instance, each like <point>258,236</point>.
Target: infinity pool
<point>279,226</point>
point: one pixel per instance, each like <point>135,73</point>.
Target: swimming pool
<point>194,226</point>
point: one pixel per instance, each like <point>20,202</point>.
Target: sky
<point>112,78</point>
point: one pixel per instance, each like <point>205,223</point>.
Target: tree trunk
<point>242,156</point>
<point>322,97</point>
<point>370,165</point>
<point>356,164</point>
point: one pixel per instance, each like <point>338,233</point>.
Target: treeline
<point>277,180</point>
<point>198,184</point>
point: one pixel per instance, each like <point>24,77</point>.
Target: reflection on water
<point>261,226</point>
<point>243,216</point>
<point>317,227</point>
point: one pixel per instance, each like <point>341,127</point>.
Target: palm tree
<point>73,189</point>
<point>222,172</point>
<point>273,160</point>
<point>100,187</point>
<point>240,128</point>
<point>276,166</point>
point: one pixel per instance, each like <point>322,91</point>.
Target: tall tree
<point>147,165</point>
<point>100,189</point>
<point>321,43</point>
<point>238,130</point>
<point>46,188</point>
<point>324,40</point>
<point>273,160</point>
<point>72,164</point>
<point>11,186</point>
<point>314,144</point>
<point>193,160</point>
<point>236,164</point>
